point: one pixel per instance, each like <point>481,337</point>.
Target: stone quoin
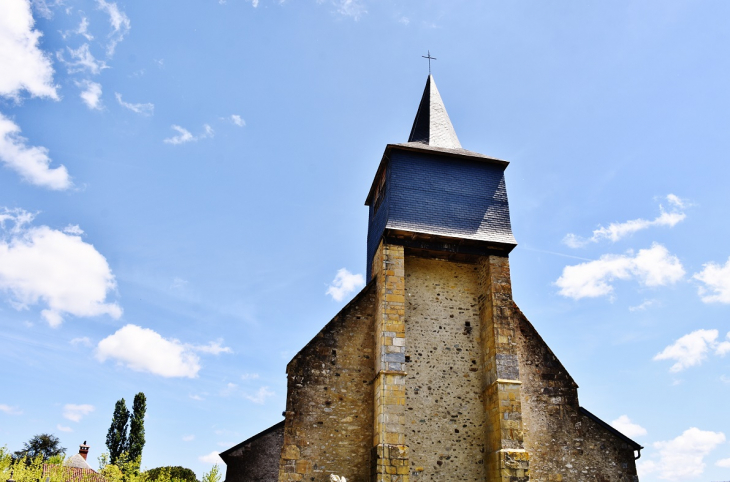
<point>432,372</point>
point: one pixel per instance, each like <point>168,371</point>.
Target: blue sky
<point>192,175</point>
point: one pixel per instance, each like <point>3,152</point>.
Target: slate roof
<point>432,125</point>
<point>629,442</point>
<point>77,462</point>
<point>226,453</point>
<point>457,153</point>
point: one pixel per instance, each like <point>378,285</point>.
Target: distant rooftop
<point>76,461</point>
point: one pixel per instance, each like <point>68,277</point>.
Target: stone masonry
<point>389,460</point>
<point>507,459</point>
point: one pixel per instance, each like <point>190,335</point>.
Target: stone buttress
<point>389,458</point>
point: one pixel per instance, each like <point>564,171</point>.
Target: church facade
<point>432,372</point>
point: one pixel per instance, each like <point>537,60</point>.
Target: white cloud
<point>143,109</point>
<point>64,429</point>
<point>249,376</point>
<point>260,396</point>
<point>651,267</point>
<point>43,265</point>
<point>90,94</point>
<point>723,348</point>
<point>120,24</point>
<point>404,20</point>
<point>144,350</point>
<point>81,341</point>
<point>82,60</point>
<point>344,284</point>
<point>211,458</point>
<point>350,8</point>
<point>188,438</point>
<point>624,425</point>
<point>724,463</point>
<point>75,412</point>
<point>213,348</point>
<point>7,409</point>
<point>229,390</point>
<point>31,162</point>
<point>255,3</point>
<point>236,119</point>
<point>197,398</point>
<point>676,201</point>
<point>683,457</point>
<point>616,231</point>
<point>643,306</point>
<point>83,30</point>
<point>717,283</point>
<point>24,65</point>
<point>73,229</point>
<point>692,349</point>
<point>44,8</point>
<point>184,135</point>
<point>178,284</point>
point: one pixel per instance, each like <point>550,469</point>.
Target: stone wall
<point>257,459</point>
<point>564,443</point>
<point>329,408</point>
<point>445,418</point>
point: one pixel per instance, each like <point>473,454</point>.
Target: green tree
<point>136,427</point>
<point>176,473</point>
<point>213,476</point>
<point>45,445</point>
<point>116,437</point>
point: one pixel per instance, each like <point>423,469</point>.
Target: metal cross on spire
<point>429,61</point>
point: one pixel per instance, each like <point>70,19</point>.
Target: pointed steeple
<point>432,125</point>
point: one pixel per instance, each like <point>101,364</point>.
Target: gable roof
<point>76,461</point>
<point>610,429</point>
<point>230,451</point>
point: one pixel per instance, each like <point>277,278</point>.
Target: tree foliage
<point>127,470</point>
<point>43,445</point>
<point>213,476</point>
<point>177,473</point>
<point>116,437</point>
<point>26,469</point>
<point>136,427</point>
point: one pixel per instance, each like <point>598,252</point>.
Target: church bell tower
<point>431,194</point>
<point>447,386</point>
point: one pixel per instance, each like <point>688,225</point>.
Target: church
<point>432,372</point>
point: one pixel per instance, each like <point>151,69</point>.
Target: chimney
<point>84,450</point>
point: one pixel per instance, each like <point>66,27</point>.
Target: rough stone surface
<point>506,458</point>
<point>329,411</point>
<point>564,445</point>
<point>256,460</point>
<point>445,418</point>
<point>389,457</point>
